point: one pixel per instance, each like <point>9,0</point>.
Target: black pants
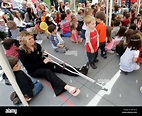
<point>3,35</point>
<point>48,72</point>
<point>54,3</point>
<point>102,48</point>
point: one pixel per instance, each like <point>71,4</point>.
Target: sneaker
<point>0,68</point>
<point>104,56</point>
<point>126,73</point>
<point>93,66</point>
<point>141,89</point>
<point>110,51</point>
<point>7,82</point>
<point>1,75</point>
<point>66,48</point>
<point>85,68</point>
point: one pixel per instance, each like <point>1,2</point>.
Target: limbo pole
<point>10,75</point>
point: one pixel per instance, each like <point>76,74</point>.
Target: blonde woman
<point>39,66</point>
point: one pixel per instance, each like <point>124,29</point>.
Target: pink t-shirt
<point>13,51</point>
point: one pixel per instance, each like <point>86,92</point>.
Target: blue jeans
<point>83,34</point>
<point>92,57</point>
<point>82,1</point>
<point>66,34</point>
<point>37,87</point>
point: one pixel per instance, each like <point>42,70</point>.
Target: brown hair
<point>72,24</point>
<point>128,35</point>
<point>12,61</point>
<point>135,42</point>
<point>51,28</point>
<point>108,33</point>
<point>100,15</point>
<point>7,43</point>
<point>15,14</point>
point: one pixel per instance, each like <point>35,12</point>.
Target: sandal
<point>74,91</point>
<point>17,101</point>
<point>13,96</point>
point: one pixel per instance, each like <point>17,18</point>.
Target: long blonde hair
<point>23,41</point>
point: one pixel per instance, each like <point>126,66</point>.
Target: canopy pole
<point>138,6</point>
<point>10,75</point>
<point>110,12</point>
<point>107,7</point>
<point>72,5</point>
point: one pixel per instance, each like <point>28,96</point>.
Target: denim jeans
<point>66,34</point>
<point>83,34</point>
<point>37,87</point>
<point>92,57</point>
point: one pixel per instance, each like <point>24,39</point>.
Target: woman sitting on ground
<point>39,66</point>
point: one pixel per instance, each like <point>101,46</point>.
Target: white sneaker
<point>1,73</point>
<point>110,51</point>
<point>1,78</point>
<point>141,89</point>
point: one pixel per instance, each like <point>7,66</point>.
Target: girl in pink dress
<point>110,42</point>
<point>74,33</point>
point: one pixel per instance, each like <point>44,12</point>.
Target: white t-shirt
<point>18,22</point>
<point>94,1</point>
<point>126,60</point>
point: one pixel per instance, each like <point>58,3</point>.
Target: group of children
<point>96,35</point>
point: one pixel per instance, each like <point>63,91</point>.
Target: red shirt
<point>93,41</point>
<point>126,22</point>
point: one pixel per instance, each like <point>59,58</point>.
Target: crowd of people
<point>24,22</point>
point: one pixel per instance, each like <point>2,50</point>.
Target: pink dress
<point>110,46</point>
<point>74,34</point>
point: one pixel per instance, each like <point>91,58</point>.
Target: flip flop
<point>74,91</point>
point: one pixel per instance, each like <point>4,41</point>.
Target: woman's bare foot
<point>72,90</point>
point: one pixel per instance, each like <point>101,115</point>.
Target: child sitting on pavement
<point>10,48</point>
<point>56,41</point>
<point>29,88</point>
